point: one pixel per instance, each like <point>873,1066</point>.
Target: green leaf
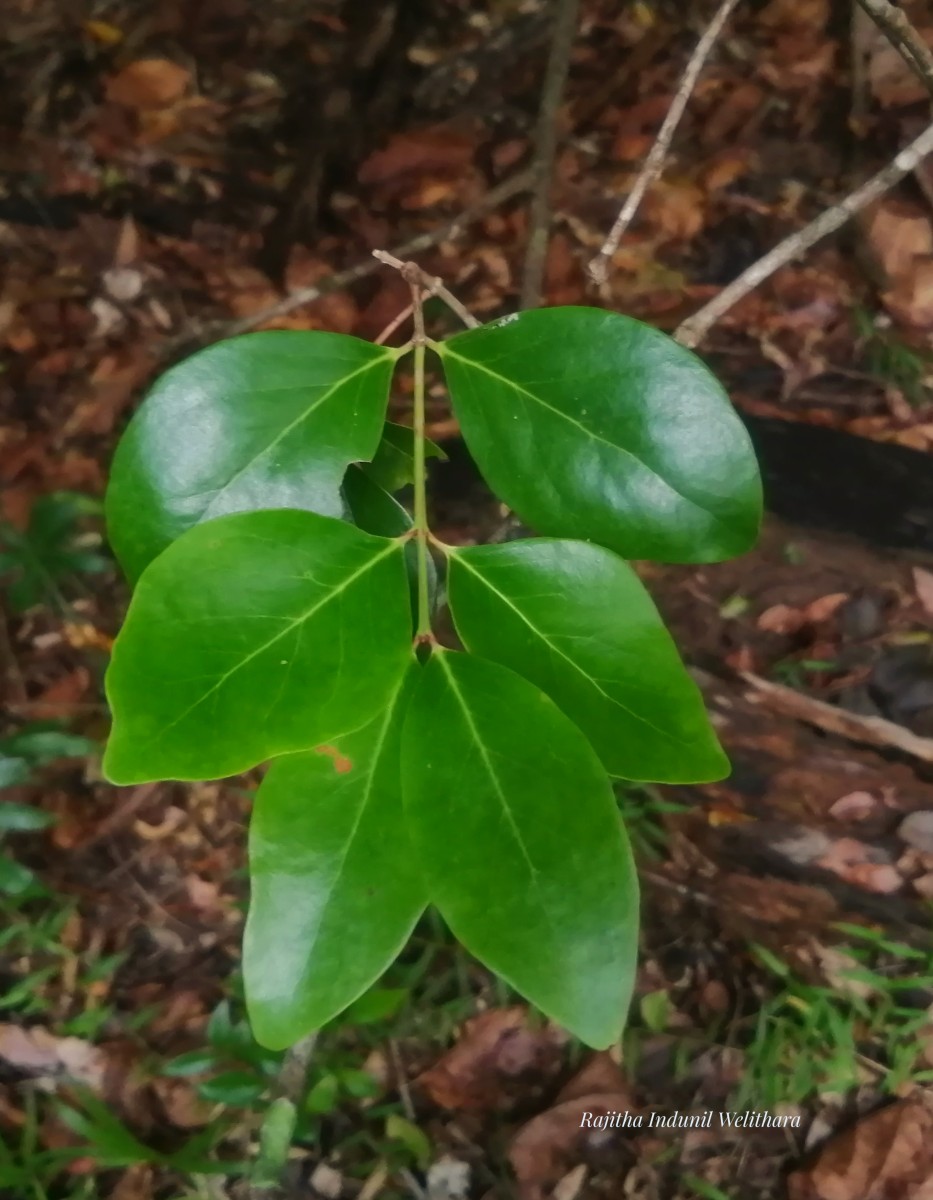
<point>194,1062</point>
<point>517,831</point>
<point>22,818</point>
<point>415,1140</point>
<point>592,425</point>
<point>324,1096</point>
<point>252,636</point>
<point>267,420</point>
<point>372,508</point>
<point>392,466</point>
<point>52,548</point>
<point>41,744</point>
<point>335,888</point>
<point>14,771</point>
<point>15,879</point>
<point>236,1088</point>
<point>377,1004</point>
<point>577,621</point>
<point>374,511</point>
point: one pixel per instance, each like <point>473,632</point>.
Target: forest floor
<point>787,958</point>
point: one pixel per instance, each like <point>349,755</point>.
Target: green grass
<point>892,361</point>
<point>810,1039</point>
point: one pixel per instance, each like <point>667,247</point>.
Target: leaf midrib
<point>393,547</point>
<point>364,804</point>
<point>292,425</point>
<point>458,558</point>
<point>590,433</point>
<point>497,787</point>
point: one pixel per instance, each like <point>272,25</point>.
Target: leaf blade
<point>196,681</point>
<point>393,464</point>
<point>321,825</point>
<point>593,425</point>
<point>576,621</point>
<point>266,420</point>
<point>488,755</point>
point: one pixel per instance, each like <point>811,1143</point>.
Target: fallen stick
<point>545,148</point>
<point>695,328</point>
<point>895,26</point>
<point>871,731</point>
<point>654,163</point>
<point>424,241</point>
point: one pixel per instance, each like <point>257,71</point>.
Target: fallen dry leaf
<point>781,618</point>
<point>887,1155</point>
<point>852,861</point>
<point>543,1150</point>
<point>498,1051</point>
<point>825,607</point>
<point>855,806</point>
<point>898,235</point>
<point>433,150</point>
<point>39,1052</point>
<point>916,830</point>
<point>148,83</point>
<point>136,1183</point>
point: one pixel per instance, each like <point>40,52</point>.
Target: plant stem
<point>419,342</point>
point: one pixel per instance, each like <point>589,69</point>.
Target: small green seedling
<point>54,548</point>
<point>21,756</point>
<point>273,622</point>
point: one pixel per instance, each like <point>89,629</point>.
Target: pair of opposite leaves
<point>261,629</point>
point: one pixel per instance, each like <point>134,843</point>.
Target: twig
<point>654,163</point>
<point>121,816</point>
<point>11,677</point>
<point>894,24</point>
<point>872,731</point>
<point>424,241</point>
<point>545,148</point>
<point>278,1125</point>
<point>401,1081</point>
<point>430,283</point>
<point>695,328</point>
<point>293,1074</point>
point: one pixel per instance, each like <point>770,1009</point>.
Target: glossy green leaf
<point>251,636</point>
<point>393,464</point>
<point>577,621</point>
<point>374,511</point>
<point>592,425</point>
<point>335,887</point>
<point>371,507</point>
<point>267,420</point>
<point>519,836</point>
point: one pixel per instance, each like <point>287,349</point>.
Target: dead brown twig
<point>692,331</point>
<point>430,284</point>
<point>894,24</point>
<point>654,163</point>
<point>424,241</point>
<point>545,148</point>
<point>871,731</point>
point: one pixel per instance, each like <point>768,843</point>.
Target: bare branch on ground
<point>692,331</point>
<point>893,23</point>
<point>654,163</point>
<point>871,731</point>
<point>545,148</point>
<point>424,241</point>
